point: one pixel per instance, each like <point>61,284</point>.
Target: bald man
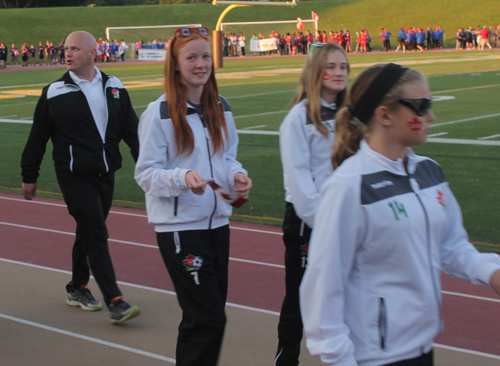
<point>86,114</point>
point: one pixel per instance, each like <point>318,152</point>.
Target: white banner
<point>262,45</point>
<point>152,55</point>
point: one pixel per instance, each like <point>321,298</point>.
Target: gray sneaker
<point>84,299</point>
<point>121,311</point>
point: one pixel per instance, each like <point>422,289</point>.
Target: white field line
<point>266,264</point>
<point>489,137</point>
<point>22,121</point>
<point>253,127</point>
<point>14,115</point>
<point>88,339</point>
<point>256,95</point>
<point>260,114</point>
<point>244,307</point>
<point>463,141</point>
<point>462,89</point>
<point>438,134</point>
<point>465,120</point>
<point>251,132</point>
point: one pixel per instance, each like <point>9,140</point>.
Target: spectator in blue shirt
<point>430,37</point>
<point>420,38</point>
<point>401,40</point>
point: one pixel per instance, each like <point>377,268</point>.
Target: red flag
<point>315,16</point>
<point>300,24</point>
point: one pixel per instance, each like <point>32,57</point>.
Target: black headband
<point>377,90</point>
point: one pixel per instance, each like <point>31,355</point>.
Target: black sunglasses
<point>419,106</point>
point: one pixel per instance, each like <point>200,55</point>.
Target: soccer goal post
<point>280,26</point>
<point>145,33</point>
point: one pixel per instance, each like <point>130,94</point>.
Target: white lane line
<point>133,243</point>
<point>463,350</point>
<point>260,114</point>
<point>252,132</point>
<point>489,137</point>
<point>463,141</point>
<point>129,214</point>
<point>87,338</point>
<point>471,296</point>
<point>438,134</point>
<point>167,292</point>
<point>465,120</point>
<point>252,127</point>
<point>18,263</point>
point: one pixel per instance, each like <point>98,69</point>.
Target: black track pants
<point>89,200</point>
<point>296,235</point>
<point>197,261</point>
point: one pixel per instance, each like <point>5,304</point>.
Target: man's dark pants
<point>89,200</point>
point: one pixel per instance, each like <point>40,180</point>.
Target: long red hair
<point>213,114</point>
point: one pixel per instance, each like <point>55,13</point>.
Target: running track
<point>41,232</point>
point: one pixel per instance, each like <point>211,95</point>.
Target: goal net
<point>145,33</point>
<point>281,27</point>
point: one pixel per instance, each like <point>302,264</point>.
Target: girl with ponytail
<point>188,145</point>
<point>306,141</point>
<point>387,225</point>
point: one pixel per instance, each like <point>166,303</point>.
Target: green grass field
<point>33,25</point>
<point>465,85</point>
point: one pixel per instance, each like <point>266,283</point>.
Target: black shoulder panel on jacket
<point>164,110</point>
<point>327,114</point>
<point>227,107</point>
<point>382,185</point>
<point>429,174</point>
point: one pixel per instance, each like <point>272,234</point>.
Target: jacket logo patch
<point>440,198</point>
<point>116,93</point>
<point>192,263</point>
<point>384,183</point>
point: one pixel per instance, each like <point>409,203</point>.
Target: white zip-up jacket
<point>171,206</point>
<point>371,294</point>
<point>305,156</point>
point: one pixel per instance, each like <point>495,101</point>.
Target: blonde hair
<point>311,81</point>
<point>213,114</point>
<point>349,130</point>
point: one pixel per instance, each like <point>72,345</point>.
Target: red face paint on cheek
<point>415,124</point>
<point>326,76</point>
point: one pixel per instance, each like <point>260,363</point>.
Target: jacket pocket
<point>382,323</point>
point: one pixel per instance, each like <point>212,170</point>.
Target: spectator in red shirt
<point>485,38</point>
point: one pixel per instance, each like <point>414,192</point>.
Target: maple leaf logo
<point>440,198</point>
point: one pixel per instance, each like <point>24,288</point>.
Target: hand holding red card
<point>227,197</point>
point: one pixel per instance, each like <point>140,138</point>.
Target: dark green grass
<point>470,169</point>
<point>41,24</point>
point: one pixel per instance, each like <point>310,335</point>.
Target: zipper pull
<point>414,184</point>
<point>207,135</point>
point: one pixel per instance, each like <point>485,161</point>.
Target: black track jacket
<point>63,114</point>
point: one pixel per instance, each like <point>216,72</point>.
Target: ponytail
<point>349,132</point>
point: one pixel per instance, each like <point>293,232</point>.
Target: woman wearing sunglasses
<point>387,224</point>
<point>306,144</point>
<point>187,138</point>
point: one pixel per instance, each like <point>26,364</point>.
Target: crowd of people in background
<point>51,54</point>
<point>477,38</point>
<point>48,54</point>
<point>295,43</point>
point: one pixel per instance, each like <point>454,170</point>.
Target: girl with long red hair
<point>188,145</point>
